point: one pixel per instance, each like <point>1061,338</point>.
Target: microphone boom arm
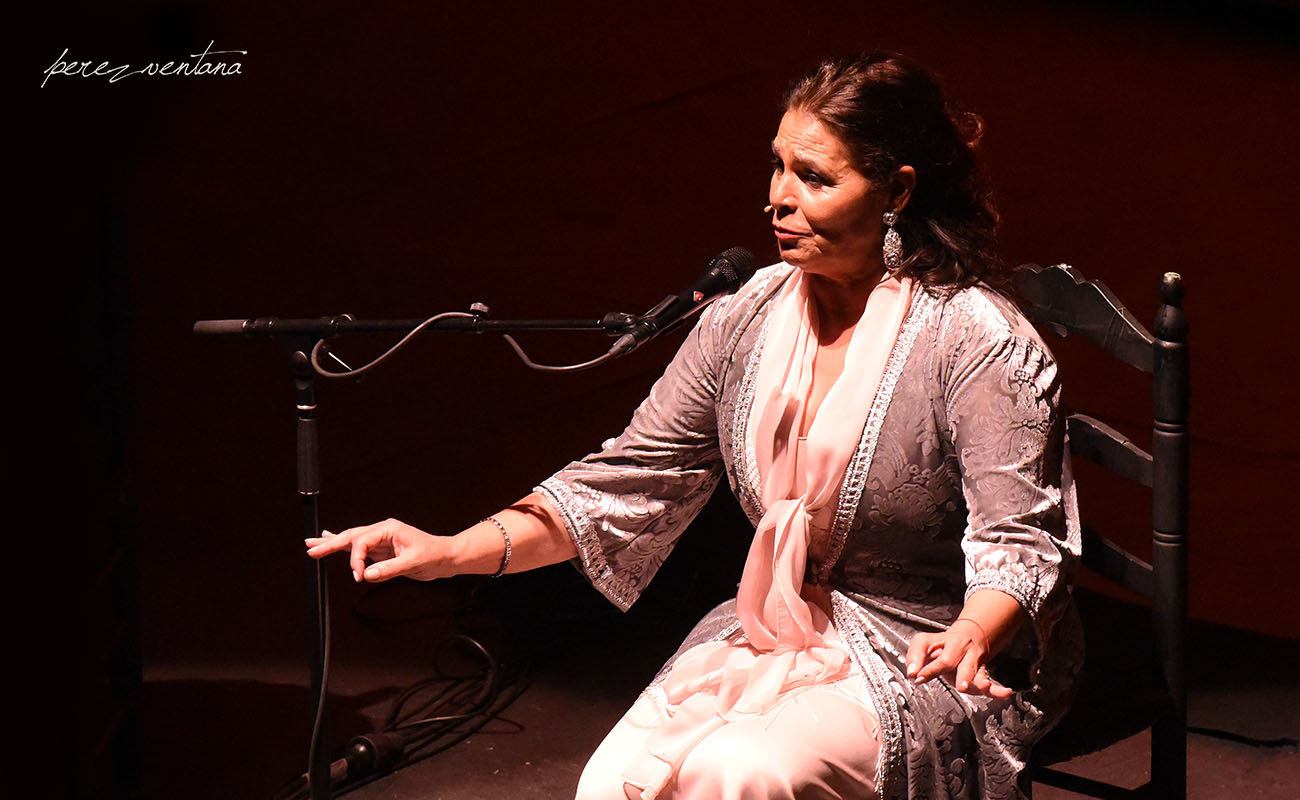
<point>475,321</point>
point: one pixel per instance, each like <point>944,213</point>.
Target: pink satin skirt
<point>820,742</point>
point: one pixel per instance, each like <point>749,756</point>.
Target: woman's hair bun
<point>969,125</point>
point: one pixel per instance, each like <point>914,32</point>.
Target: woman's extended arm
<point>538,537</point>
<point>617,512</point>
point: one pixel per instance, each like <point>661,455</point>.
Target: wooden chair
<point>1059,300</point>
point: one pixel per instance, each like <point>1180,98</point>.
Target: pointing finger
<point>325,544</point>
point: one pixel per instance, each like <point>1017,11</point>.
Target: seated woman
<point>889,422</point>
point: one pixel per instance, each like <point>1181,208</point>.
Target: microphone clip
<point>617,323</point>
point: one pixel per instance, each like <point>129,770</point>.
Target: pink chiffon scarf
<point>787,642</point>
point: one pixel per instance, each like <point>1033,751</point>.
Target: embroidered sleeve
<point>1002,402</point>
<point>626,505</point>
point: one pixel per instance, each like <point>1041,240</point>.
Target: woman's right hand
<point>394,547</point>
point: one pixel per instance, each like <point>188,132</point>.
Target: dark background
<point>404,159</point>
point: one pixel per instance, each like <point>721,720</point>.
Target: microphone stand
<point>316,584</point>
<point>302,336</point>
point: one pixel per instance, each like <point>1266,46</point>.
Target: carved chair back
<point>1061,301</point>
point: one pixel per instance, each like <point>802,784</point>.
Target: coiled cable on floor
<point>424,719</point>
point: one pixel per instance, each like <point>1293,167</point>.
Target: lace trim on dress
<point>583,531</point>
<point>749,485</point>
<point>856,632</point>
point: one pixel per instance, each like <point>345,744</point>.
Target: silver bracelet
<point>505,560</point>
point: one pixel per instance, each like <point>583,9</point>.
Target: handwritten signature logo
<point>194,64</point>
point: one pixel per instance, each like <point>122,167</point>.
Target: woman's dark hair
<point>892,112</point>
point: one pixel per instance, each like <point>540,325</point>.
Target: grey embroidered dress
<point>960,482</point>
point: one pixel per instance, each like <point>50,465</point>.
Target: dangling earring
<point>893,249</point>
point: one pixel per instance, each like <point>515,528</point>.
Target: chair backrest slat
<point>1061,299</point>
<point>1108,447</point>
<point>1112,562</point>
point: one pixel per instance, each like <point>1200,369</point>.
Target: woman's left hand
<point>958,654</point>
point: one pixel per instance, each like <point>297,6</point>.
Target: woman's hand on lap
<point>958,654</point>
<point>395,548</point>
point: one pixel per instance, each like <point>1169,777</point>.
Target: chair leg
<point>1169,759</point>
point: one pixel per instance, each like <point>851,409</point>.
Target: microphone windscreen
<point>737,265</point>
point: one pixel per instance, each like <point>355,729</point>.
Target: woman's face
<point>826,214</point>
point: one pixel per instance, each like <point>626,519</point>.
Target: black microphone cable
<point>381,358</point>
<point>724,274</point>
<point>419,727</point>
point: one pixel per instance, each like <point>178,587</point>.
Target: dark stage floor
<point>241,730</point>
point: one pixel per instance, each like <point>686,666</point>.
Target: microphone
<point>724,275</point>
